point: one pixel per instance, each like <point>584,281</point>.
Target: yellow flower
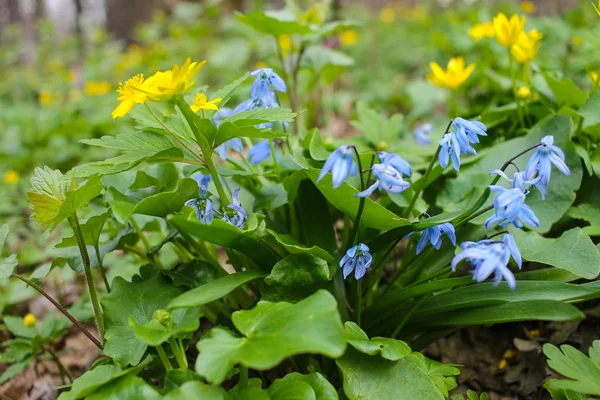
<point>528,7</point>
<point>597,7</point>
<point>527,46</point>
<point>285,44</point>
<point>315,14</point>
<point>508,31</point>
<point>45,97</point>
<point>523,92</point>
<point>576,40</point>
<point>387,15</point>
<point>134,91</point>
<point>29,320</point>
<point>454,75</point>
<point>93,88</point>
<point>200,103</point>
<point>594,77</point>
<point>11,177</point>
<point>480,31</point>
<point>503,364</point>
<point>259,65</point>
<point>176,80</point>
<point>348,38</point>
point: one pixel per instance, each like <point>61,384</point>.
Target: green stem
<point>147,245</point>
<point>74,221</point>
<point>274,157</point>
<point>358,301</point>
<point>514,87</point>
<point>477,214</point>
<point>61,309</point>
<point>101,267</point>
<point>179,356</point>
<point>419,189</point>
<point>361,204</point>
<point>61,368</point>
<point>243,377</point>
<point>407,315</point>
<point>163,358</point>
<point>223,197</point>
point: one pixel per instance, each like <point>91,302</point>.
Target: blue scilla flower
<point>399,163</point>
<point>341,164</point>
<point>421,134</point>
<point>520,182</point>
<point>266,80</point>
<point>356,259</point>
<point>510,208</point>
<point>203,180</point>
<point>387,178</point>
<point>542,159</point>
<point>490,256</point>
<point>203,208</point>
<point>468,132</point>
<point>235,144</point>
<point>434,236</point>
<point>235,215</point>
<point>261,151</point>
<point>450,150</point>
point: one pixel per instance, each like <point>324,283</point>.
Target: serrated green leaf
<point>7,264</point>
<point>78,198</point>
<point>273,24</point>
<point>49,191</point>
<point>584,372</point>
<point>228,131</point>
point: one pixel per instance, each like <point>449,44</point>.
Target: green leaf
<point>165,203</point>
<point>196,390</point>
<point>213,290</point>
<point>291,390</point>
<point>297,277</point>
<point>372,378</point>
<point>589,112</point>
<point>16,327</point>
<point>192,273</point>
<point>321,388</point>
<point>153,333</point>
<point>78,199</point>
<point>273,331</point>
<point>293,247</point>
<point>7,264</point>
<point>273,24</point>
<point>228,131</point>
<point>376,128</point>
<point>127,236</point>
<point>573,251</point>
<point>226,91</point>
<point>91,229</point>
<point>584,372</point>
<point>326,63</point>
<point>389,349</point>
<point>587,212</point>
<point>565,91</point>
<point>15,369</point>
<point>139,301</point>
<point>49,191</point>
<point>129,387</point>
<point>314,144</point>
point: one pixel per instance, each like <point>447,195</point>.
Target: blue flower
<point>235,144</point>
<point>203,208</point>
<point>519,181</point>
<point>400,164</point>
<point>490,256</point>
<point>510,208</point>
<point>203,180</point>
<point>261,151</point>
<point>421,134</point>
<point>265,81</point>
<point>434,236</point>
<point>467,131</point>
<point>236,214</point>
<point>387,178</point>
<point>341,164</point>
<point>356,259</point>
<point>450,150</point>
<point>221,115</point>
<point>542,159</point>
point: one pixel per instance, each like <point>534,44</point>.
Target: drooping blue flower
<point>203,208</point>
<point>356,259</point>
<point>266,80</point>
<point>434,236</point>
<point>203,180</point>
<point>341,164</point>
<point>542,159</point>
<point>490,256</point>
<point>450,150</point>
<point>467,132</point>
<point>261,151</point>
<point>520,182</point>
<point>510,208</point>
<point>421,134</point>
<point>235,144</point>
<point>236,214</point>
<point>386,178</point>
<point>399,163</point>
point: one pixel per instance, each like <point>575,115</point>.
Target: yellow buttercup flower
<point>201,103</point>
<point>349,38</point>
<point>528,7</point>
<point>523,93</point>
<point>93,88</point>
<point>285,44</point>
<point>527,46</point>
<point>135,90</point>
<point>594,77</point>
<point>508,31</point>
<point>455,74</point>
<point>480,31</point>
<point>11,177</point>
<point>387,15</point>
<point>45,97</point>
<point>29,320</point>
<point>176,80</point>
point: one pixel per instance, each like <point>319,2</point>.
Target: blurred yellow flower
<point>597,7</point>
<point>527,46</point>
<point>93,88</point>
<point>594,77</point>
<point>349,38</point>
<point>29,320</point>
<point>176,80</point>
<point>315,13</point>
<point>455,74</point>
<point>260,64</point>
<point>11,177</point>
<point>523,93</point>
<point>387,15</point>
<point>503,364</point>
<point>576,40</point>
<point>528,7</point>
<point>508,31</point>
<point>508,354</point>
<point>480,31</point>
<point>45,97</point>
<point>134,91</point>
<point>285,44</point>
<point>201,103</point>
